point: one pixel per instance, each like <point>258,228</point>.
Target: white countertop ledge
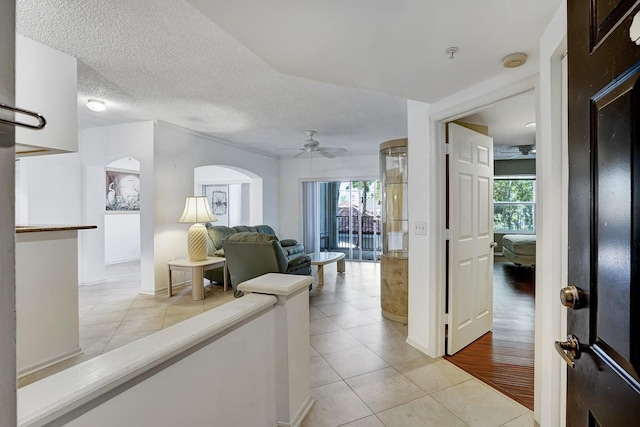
<point>277,284</point>
<point>61,393</point>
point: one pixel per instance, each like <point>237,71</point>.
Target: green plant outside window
<point>514,205</point>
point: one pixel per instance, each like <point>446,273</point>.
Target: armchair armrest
<point>300,265</point>
<point>301,260</point>
<point>288,242</point>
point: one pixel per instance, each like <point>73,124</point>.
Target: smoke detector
<point>514,60</point>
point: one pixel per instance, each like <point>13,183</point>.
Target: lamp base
<point>197,242</point>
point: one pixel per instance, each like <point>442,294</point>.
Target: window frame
<point>507,203</point>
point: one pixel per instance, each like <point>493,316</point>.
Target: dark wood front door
<point>604,207</point>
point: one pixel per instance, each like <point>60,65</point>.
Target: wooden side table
<point>197,269</point>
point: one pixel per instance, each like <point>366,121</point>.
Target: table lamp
<point>196,211</point>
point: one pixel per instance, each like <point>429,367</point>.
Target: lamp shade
<point>196,209</point>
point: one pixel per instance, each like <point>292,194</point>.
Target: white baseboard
<point>418,347</point>
<point>121,261</point>
<point>95,282</point>
<point>299,417</point>
<point>34,367</point>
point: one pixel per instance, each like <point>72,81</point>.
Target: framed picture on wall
<point>218,196</point>
<point>122,190</point>
<point>219,202</point>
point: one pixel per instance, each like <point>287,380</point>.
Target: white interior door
<point>470,305</point>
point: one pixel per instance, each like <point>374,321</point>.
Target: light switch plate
<point>420,227</point>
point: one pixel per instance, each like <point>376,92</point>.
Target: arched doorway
<point>235,194</point>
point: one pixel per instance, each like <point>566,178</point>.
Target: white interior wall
<point>99,147</point>
<point>245,214</point>
<point>294,171</point>
<point>54,184</point>
<point>177,152</point>
<point>228,382</point>
<point>121,237</point>
<point>236,207</point>
<point>424,250</point>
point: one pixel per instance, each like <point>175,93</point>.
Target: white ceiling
<point>260,73</point>
<point>508,119</point>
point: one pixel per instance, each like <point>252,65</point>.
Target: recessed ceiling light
<point>530,125</point>
<point>96,105</point>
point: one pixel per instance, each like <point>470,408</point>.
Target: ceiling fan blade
<point>335,149</point>
<point>287,148</point>
<point>324,153</point>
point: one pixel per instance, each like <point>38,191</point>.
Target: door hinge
<point>446,318</point>
<point>447,148</point>
<point>447,234</point>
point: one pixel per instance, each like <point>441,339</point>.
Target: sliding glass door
<point>348,218</point>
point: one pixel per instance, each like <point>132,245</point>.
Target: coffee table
<point>323,258</point>
<point>197,269</point>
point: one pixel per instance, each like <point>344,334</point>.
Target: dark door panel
<point>606,16</point>
<point>604,202</point>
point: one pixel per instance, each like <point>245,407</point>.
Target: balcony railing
<point>350,226</point>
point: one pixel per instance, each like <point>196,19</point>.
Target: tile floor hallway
<point>363,374</point>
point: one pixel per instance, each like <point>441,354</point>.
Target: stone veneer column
<point>293,393</point>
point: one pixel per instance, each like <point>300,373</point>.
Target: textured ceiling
<point>164,60</point>
<point>243,73</point>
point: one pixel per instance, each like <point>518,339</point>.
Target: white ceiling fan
<point>311,146</point>
<point>509,152</point>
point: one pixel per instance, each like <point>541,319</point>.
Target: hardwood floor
<point>504,357</point>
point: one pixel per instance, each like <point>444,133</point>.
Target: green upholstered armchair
<point>217,233</point>
<point>251,255</point>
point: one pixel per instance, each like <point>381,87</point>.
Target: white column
<point>293,394</point>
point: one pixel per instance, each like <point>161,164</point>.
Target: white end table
<point>322,258</point>
<point>197,269</point>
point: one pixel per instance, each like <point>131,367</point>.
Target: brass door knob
<point>570,297</point>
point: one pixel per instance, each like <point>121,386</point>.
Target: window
<point>514,207</point>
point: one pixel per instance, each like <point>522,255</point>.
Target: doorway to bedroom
<point>503,355</point>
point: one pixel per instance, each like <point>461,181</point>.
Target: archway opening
<point>234,194</point>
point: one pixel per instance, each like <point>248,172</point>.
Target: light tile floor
<point>363,374</point>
